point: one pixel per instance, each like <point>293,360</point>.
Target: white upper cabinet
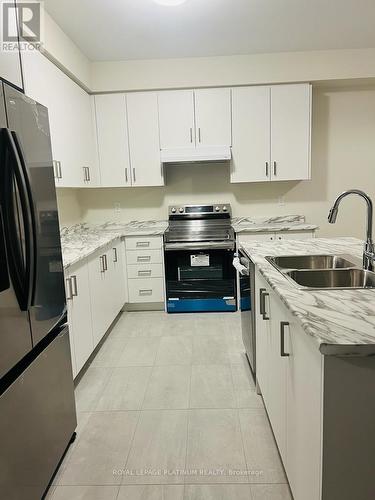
<point>213,117</point>
<point>113,145</point>
<point>251,147</point>
<point>146,167</point>
<point>176,118</point>
<point>290,131</point>
<point>271,133</point>
<point>194,118</point>
<point>70,117</point>
<point>10,62</point>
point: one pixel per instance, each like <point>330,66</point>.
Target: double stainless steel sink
<point>324,271</point>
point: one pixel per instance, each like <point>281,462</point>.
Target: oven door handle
<point>200,245</point>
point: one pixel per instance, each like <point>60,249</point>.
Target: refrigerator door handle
<point>32,227</point>
<point>23,275</point>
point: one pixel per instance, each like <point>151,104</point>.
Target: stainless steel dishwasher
<point>246,270</point>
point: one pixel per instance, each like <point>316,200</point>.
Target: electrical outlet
<point>117,207</point>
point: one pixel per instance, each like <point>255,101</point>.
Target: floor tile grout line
<point>187,426</point>
<point>136,427</point>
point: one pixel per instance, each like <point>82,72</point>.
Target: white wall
<point>70,211</point>
<point>234,70</point>
<point>343,157</point>
<point>66,52</point>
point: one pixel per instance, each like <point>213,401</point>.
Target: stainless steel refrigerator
<point>37,408</point>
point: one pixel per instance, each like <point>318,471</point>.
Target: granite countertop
<point>271,224</point>
<point>82,240</point>
<point>341,321</point>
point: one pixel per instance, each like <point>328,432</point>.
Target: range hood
<point>204,153</point>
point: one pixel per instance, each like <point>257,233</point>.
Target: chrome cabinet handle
<point>88,174</point>
<point>115,255</point>
<point>283,324</point>
<point>199,134</point>
<point>262,303</point>
<point>126,175</point>
<point>102,267</point>
<point>135,180</point>
<point>55,173</point>
<point>267,168</point>
<point>142,244</point>
<point>84,174</point>
<point>74,286</point>
<point>69,286</point>
<point>105,262</point>
<point>143,258</point>
<point>274,168</point>
<point>145,292</point>
<point>59,170</point>
<point>145,272</point>
<point>191,134</point>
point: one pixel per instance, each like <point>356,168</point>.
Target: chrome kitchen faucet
<point>368,251</point>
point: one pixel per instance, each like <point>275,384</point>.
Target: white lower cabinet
<point>118,284</point>
<point>146,290</point>
<point>290,374</point>
<point>145,271</point>
<point>98,287</point>
<point>79,314</point>
<point>107,288</point>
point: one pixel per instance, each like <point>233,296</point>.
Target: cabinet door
<point>113,144</point>
<point>87,154</point>
<point>304,414</point>
<point>263,335</point>
<point>70,324</point>
<point>290,131</point>
<point>116,264</point>
<point>144,139</point>
<point>213,117</point>
<point>251,148</point>
<point>69,113</point>
<point>276,406</point>
<point>80,314</point>
<point>176,119</point>
<point>99,296</point>
<point>10,62</point>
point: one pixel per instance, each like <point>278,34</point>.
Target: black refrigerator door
<point>15,334</point>
<point>29,127</point>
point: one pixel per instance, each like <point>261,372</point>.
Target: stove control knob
<point>173,210</point>
<point>217,209</point>
<point>181,210</point>
<point>225,209</point>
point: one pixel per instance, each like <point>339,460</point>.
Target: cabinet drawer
<point>146,290</point>
<point>138,243</point>
<point>145,271</point>
<point>144,257</point>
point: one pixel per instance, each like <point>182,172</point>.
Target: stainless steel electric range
<point>199,248</point>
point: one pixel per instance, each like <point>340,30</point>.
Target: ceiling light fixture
<point>170,3</point>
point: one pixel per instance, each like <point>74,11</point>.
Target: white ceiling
<point>141,29</point>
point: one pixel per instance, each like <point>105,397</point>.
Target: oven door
<point>200,280</point>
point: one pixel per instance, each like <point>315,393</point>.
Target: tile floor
<point>167,410</point>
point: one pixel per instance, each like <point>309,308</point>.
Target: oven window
<point>185,279</point>
<point>200,273</point>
